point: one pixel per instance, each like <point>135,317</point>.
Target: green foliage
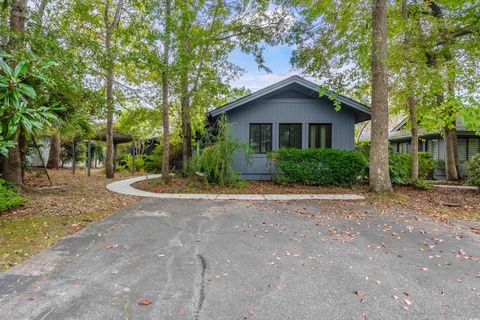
<point>363,147</point>
<point>473,167</point>
<point>9,198</point>
<point>18,95</point>
<point>66,154</point>
<point>401,163</point>
<point>318,166</point>
<point>124,163</point>
<point>153,162</point>
<point>216,160</point>
<point>426,165</point>
<point>5,145</point>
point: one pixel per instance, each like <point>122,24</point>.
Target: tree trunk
<point>17,21</point>
<point>165,111</point>
<point>23,146</point>
<point>109,159</point>
<point>41,11</point>
<point>379,170</point>
<point>109,28</point>
<point>411,102</point>
<point>186,125</point>
<point>54,153</point>
<point>12,166</point>
<point>412,108</point>
<point>450,165</point>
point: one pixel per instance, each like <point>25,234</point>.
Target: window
<point>432,147</point>
<point>320,136</point>
<point>290,135</point>
<point>403,147</point>
<point>261,137</point>
<point>467,148</point>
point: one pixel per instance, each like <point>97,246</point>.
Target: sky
<point>276,58</point>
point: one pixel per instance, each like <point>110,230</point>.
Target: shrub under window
<point>473,167</point>
<point>318,166</point>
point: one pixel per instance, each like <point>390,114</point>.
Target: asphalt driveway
<point>251,260</point>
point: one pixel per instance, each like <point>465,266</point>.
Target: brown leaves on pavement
<point>145,302</point>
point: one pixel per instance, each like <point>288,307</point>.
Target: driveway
<point>251,260</point>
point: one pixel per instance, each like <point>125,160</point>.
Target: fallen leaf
<point>145,302</point>
<point>360,293</point>
<point>408,302</point>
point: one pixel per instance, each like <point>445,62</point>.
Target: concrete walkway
<point>125,187</point>
<point>454,186</point>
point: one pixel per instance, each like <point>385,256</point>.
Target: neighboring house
<point>289,114</point>
<point>468,145</point>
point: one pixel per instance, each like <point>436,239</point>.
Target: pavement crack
<point>201,291</point>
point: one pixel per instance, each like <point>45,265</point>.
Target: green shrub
<point>318,166</point>
<point>426,165</point>
<point>473,167</point>
<point>363,147</point>
<point>401,164</point>
<point>9,198</point>
<point>153,162</point>
<point>124,163</point>
<point>216,160</point>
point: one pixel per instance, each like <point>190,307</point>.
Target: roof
<point>400,132</point>
<point>117,137</point>
<point>362,112</point>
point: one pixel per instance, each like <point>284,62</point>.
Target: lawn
<point>52,212</point>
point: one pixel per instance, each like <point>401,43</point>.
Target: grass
<point>22,237</point>
<point>52,213</point>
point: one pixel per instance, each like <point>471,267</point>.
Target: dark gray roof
<point>362,112</point>
<point>401,132</point>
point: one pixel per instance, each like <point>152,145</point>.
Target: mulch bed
<point>440,203</point>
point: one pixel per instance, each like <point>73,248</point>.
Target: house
<point>289,114</point>
<point>468,145</point>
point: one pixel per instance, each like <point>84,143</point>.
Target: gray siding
<point>288,107</point>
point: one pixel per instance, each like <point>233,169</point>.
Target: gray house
<point>289,114</point>
<point>468,145</point>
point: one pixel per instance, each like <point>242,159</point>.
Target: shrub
<point>124,163</point>
<point>401,164</point>
<point>318,166</point>
<point>426,165</point>
<point>9,198</point>
<point>473,167</point>
<point>153,162</point>
<point>363,147</point>
<point>216,160</point>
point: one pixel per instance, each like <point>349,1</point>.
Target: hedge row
<point>318,166</point>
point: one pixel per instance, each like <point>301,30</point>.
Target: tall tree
<point>165,104</point>
<point>110,24</point>
<point>379,170</point>
<point>12,165</point>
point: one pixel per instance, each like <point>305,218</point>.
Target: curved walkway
<point>125,187</point>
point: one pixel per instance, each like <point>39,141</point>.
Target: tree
<point>110,24</point>
<point>165,104</point>
<point>379,171</point>
<point>20,112</point>
<point>12,164</point>
<point>205,35</point>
